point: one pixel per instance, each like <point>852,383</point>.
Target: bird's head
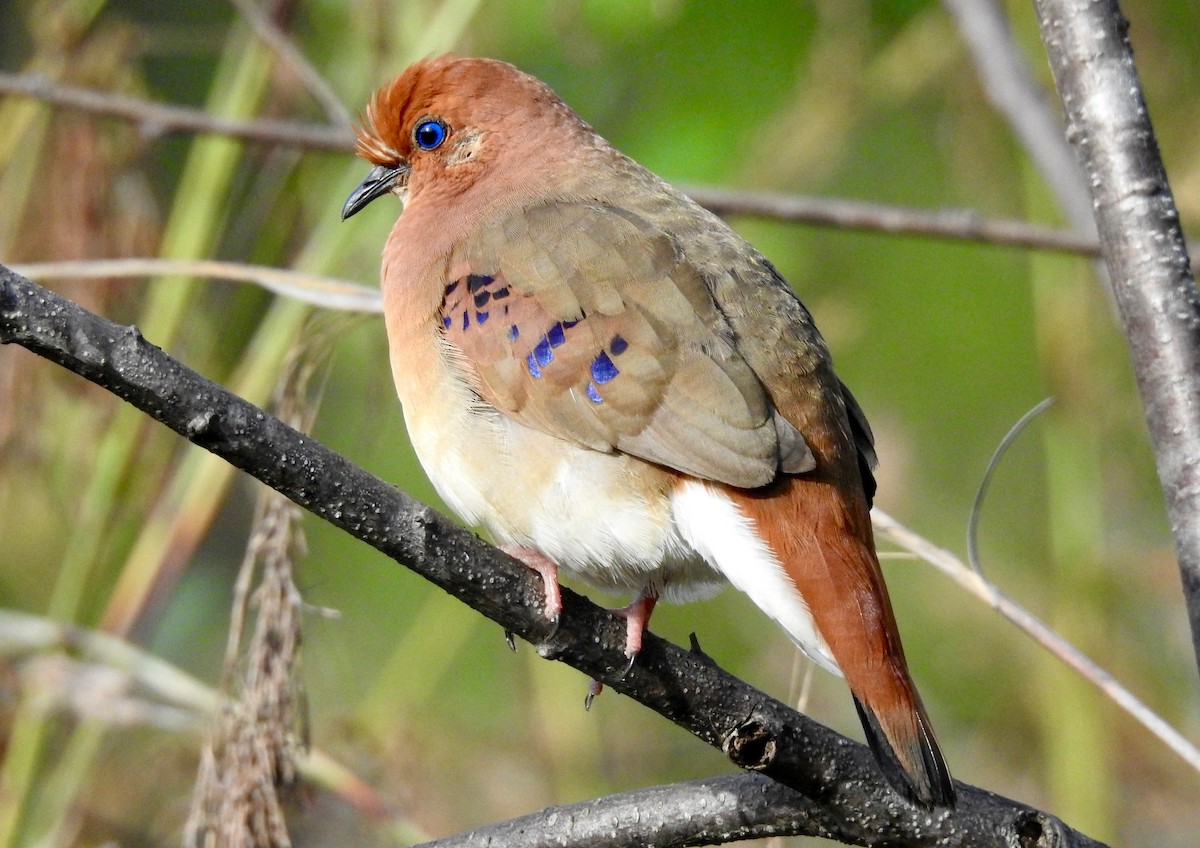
<point>447,124</point>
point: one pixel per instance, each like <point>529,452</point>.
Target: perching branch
<point>1143,248</point>
<point>755,731</point>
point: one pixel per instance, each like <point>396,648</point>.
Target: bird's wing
<point>585,320</point>
<point>864,442</point>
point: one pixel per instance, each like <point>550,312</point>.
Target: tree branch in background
<point>326,292</point>
<point>1010,86</point>
<point>1143,248</point>
<point>754,730</point>
<point>958,224</point>
<point>713,811</point>
<point>155,119</point>
<point>291,56</point>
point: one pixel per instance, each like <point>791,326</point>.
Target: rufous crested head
<point>448,120</point>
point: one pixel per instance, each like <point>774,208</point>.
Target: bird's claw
<point>595,687</point>
<point>629,665</point>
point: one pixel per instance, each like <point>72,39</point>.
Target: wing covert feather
<point>585,321</point>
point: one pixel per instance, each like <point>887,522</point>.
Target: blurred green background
<point>108,520</point>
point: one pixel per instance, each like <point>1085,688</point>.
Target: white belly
<point>584,509</point>
<point>598,515</point>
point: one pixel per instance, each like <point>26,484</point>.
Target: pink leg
<point>548,569</point>
<point>637,617</point>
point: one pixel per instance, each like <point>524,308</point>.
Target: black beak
<point>380,181</point>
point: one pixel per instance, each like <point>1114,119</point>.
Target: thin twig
<point>327,292</point>
<point>986,591</point>
<point>155,119</point>
<point>24,633</point>
<point>285,48</point>
<point>1144,249</point>
<point>958,224</point>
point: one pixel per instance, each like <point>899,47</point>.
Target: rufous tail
<point>820,532</point>
<point>908,754</point>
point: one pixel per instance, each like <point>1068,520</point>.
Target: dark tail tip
<point>909,756</point>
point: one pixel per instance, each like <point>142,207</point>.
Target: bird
<point>612,382</point>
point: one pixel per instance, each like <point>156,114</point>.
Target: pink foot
<point>548,569</point>
<point>637,616</point>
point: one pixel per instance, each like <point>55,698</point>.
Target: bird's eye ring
<point>429,134</point>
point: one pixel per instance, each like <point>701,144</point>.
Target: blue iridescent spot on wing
<point>531,363</point>
<point>501,293</point>
<point>542,353</point>
<point>513,332</point>
<point>618,345</point>
<point>603,369</point>
<point>477,281</point>
<point>466,320</point>
<point>450,288</point>
<point>482,298</point>
<point>556,335</point>
<point>593,393</point>
<point>480,317</point>
<point>569,324</point>
<point>446,322</point>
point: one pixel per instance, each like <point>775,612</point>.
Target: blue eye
<point>429,134</point>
